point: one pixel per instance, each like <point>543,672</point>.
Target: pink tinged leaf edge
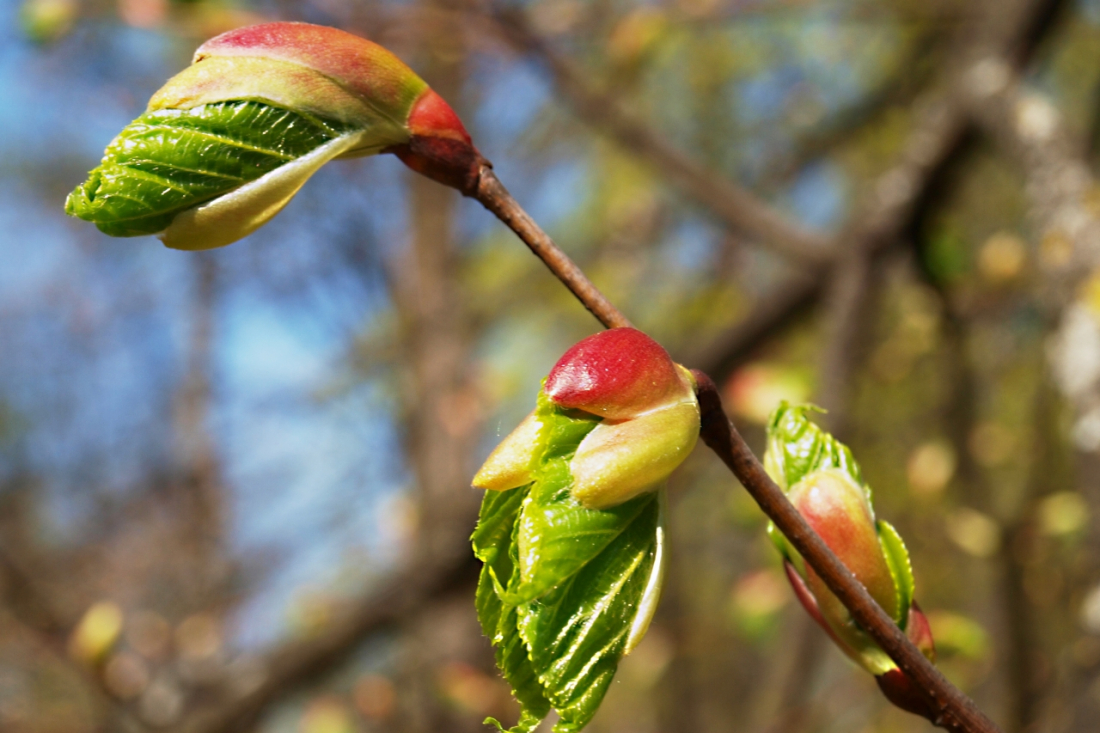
<point>900,690</point>
<point>806,598</point>
<point>919,632</point>
<point>363,67</point>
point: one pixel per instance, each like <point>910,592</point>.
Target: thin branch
<point>495,197</point>
<point>956,712</point>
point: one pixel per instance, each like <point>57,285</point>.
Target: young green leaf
<point>493,545</point>
<point>797,447</point>
<point>565,591</point>
<point>897,559</point>
<point>557,536</point>
<point>167,161</point>
<point>578,632</point>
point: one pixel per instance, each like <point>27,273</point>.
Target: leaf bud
<point>825,485</point>
<point>838,511</point>
<point>617,374</point>
<point>650,420</point>
<point>651,415</point>
<point>225,144</point>
<point>509,465</point>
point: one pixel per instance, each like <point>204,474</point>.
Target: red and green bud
<point>839,512</point>
<point>824,484</point>
<point>360,96</point>
<point>617,374</point>
<point>650,420</point>
<point>336,75</point>
<point>580,493</point>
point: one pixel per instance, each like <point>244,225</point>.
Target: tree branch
<point>901,193</point>
<point>495,197</point>
<point>956,711</point>
<point>298,662</point>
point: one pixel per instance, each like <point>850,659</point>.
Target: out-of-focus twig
<point>296,662</point>
<point>900,194</point>
<point>1061,189</point>
<point>845,318</point>
<point>735,206</point>
<point>29,606</point>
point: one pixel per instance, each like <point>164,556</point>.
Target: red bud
<point>440,148</point>
<point>905,694</point>
<point>616,374</point>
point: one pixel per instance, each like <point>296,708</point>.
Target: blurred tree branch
<point>31,607</point>
<point>301,662</point>
<point>736,207</point>
<point>901,194</point>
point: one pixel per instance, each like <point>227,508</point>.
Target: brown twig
<point>956,712</point>
<point>495,197</point>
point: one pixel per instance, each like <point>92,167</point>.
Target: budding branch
<point>956,711</point>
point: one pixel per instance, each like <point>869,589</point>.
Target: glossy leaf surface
<point>167,161</point>
<point>562,585</point>
<point>897,559</point>
<point>797,447</point>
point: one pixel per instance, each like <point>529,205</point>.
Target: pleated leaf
<point>168,161</point>
<point>901,569</point>
<point>562,585</point>
<point>797,447</point>
<point>578,632</point>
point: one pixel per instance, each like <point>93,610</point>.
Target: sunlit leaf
<point>901,569</point>
<point>577,632</point>
<point>565,591</point>
<point>167,161</point>
<point>797,447</point>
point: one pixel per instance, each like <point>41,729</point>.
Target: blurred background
<point>234,485</point>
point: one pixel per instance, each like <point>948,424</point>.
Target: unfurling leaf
<point>227,142</point>
<point>824,483</point>
<point>568,588</point>
<point>169,161</point>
